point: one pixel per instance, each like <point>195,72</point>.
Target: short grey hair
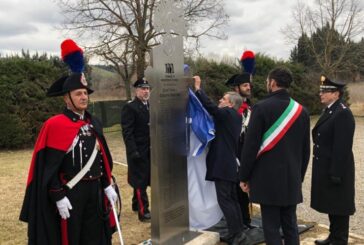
<point>235,99</point>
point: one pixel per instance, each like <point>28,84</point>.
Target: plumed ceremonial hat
<point>328,85</point>
<point>247,61</point>
<point>72,55</point>
<point>238,79</point>
<point>231,80</point>
<point>141,83</point>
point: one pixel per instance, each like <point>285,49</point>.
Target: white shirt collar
<point>80,115</point>
<point>331,104</point>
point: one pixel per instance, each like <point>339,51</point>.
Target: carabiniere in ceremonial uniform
<point>69,191</point>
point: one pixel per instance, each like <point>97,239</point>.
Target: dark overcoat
<point>135,130</point>
<point>333,157</point>
<point>221,160</point>
<point>276,176</point>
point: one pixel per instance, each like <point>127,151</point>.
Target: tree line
<point>24,80</point>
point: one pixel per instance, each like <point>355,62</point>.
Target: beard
<point>146,97</point>
<point>245,94</point>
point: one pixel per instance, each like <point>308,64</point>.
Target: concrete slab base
<point>206,238</point>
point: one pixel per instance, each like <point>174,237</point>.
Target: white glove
<point>64,206</point>
<point>111,194</point>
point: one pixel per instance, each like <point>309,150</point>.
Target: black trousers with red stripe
<point>140,201</point>
<point>85,225</point>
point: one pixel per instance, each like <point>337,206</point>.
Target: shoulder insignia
<point>343,106</point>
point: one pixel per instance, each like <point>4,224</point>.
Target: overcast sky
<point>254,25</point>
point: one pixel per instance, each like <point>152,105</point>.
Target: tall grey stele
<point>168,131</point>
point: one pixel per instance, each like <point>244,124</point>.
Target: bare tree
<point>122,57</point>
<point>203,18</point>
<point>330,27</point>
<point>122,31</point>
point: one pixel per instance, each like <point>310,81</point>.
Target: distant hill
<point>106,83</point>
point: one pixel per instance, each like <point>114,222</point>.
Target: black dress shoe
<point>250,226</point>
<point>228,238</point>
<point>144,218</point>
<point>239,238</point>
<point>234,239</point>
<point>323,242</point>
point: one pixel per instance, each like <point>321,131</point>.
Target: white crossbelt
<point>84,170</point>
<point>245,121</point>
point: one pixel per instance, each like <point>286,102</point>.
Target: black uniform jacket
<point>221,160</point>
<point>333,156</point>
<point>54,139</point>
<point>135,130</point>
<point>276,176</point>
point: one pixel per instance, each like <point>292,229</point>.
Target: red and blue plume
<point>247,61</point>
<point>72,55</point>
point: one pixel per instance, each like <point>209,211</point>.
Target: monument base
<point>198,238</point>
<point>205,238</point>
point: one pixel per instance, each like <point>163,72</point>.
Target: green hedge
<point>23,104</point>
<point>24,81</point>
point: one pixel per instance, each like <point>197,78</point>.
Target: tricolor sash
<point>279,128</point>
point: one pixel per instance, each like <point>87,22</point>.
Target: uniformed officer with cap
<point>332,190</point>
<point>70,173</point>
<point>135,131</point>
<point>241,83</point>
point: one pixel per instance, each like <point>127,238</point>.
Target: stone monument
<point>168,130</point>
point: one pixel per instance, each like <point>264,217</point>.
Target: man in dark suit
<point>275,158</point>
<point>221,160</point>
<point>135,130</point>
<point>332,189</point>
